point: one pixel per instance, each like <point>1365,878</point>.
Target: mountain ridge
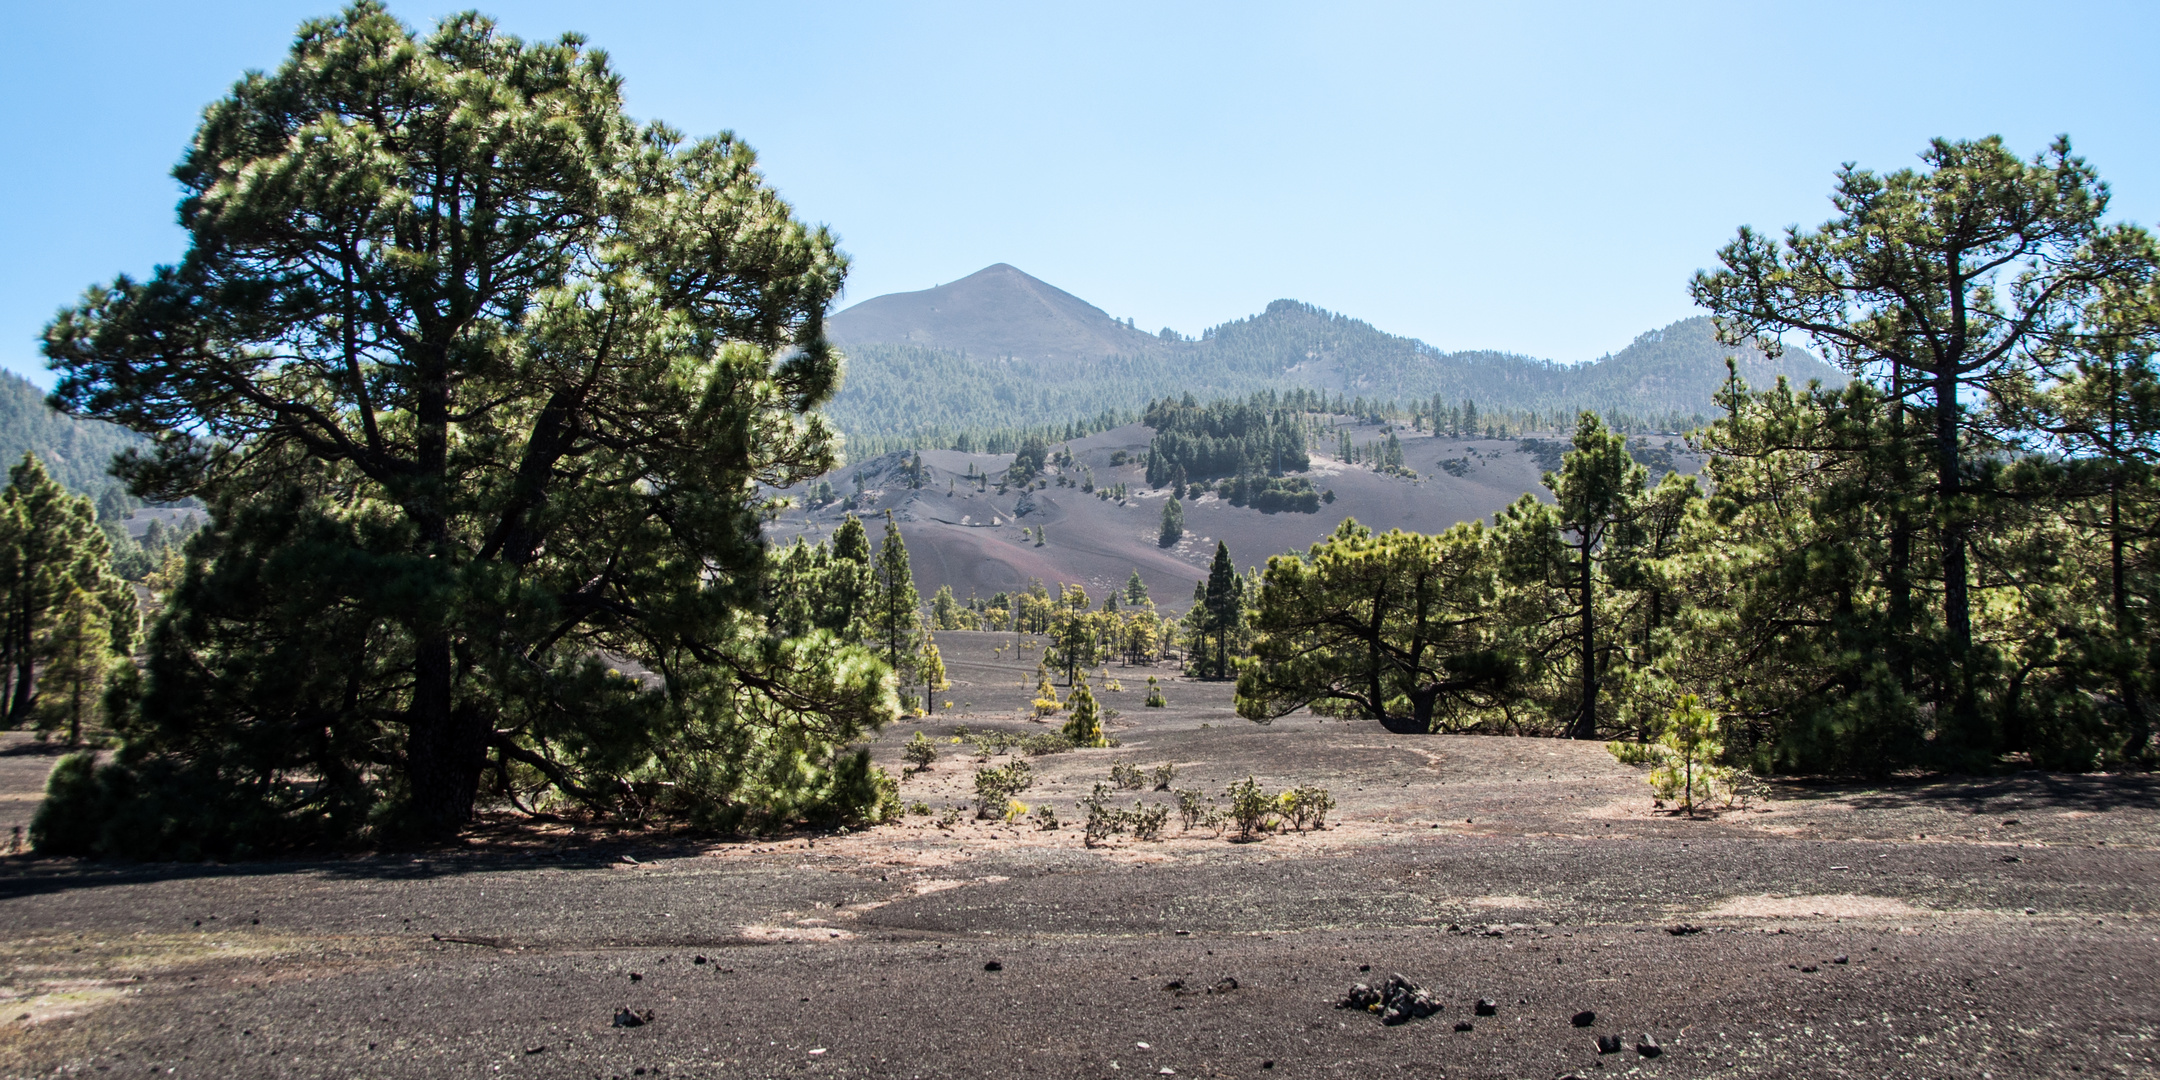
<point>1002,349</point>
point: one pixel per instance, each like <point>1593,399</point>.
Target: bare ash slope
<point>974,540</point>
<point>2001,927</point>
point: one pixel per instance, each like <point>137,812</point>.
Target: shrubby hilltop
<point>1001,349</point>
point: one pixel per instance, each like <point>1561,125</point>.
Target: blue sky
<point>1538,178</point>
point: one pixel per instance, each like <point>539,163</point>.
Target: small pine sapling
<point>1154,694</point>
<point>1046,696</point>
<point>1084,727</point>
<point>1046,818</point>
<point>1126,775</point>
<point>1162,775</point>
<point>1690,748</point>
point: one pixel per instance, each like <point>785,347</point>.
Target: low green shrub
<point>1195,809</point>
<point>1102,821</point>
<point>919,752</point>
<point>1047,742</point>
<point>996,787</point>
<point>1251,810</point>
<point>1147,820</point>
<point>1162,774</point>
<point>1305,805</point>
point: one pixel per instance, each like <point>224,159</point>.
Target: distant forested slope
<point>76,452</point>
<point>1663,379</point>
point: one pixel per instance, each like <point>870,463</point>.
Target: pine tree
<point>1225,605</point>
<point>78,655</point>
<point>1083,727</point>
<point>492,372</point>
<point>929,670</point>
<point>896,615</point>
<point>1135,589</point>
<point>1072,632</point>
<point>1562,548</point>
<point>945,611</point>
<point>1046,695</point>
<point>1173,524</point>
<point>1940,282</point>
<point>50,549</point>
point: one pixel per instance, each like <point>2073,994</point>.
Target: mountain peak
<point>997,311</point>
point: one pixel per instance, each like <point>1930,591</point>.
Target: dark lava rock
<point>993,966</point>
<point>1648,1047</point>
<point>636,977</point>
<point>1608,1044</point>
<point>1683,930</point>
<point>1396,1001</point>
<point>628,1018</point>
<point>1841,960</point>
<point>1178,985</point>
<point>1584,1018</point>
<point>697,960</point>
<point>1809,969</point>
<point>1463,1025</point>
<point>1223,985</point>
<point>1488,1007</point>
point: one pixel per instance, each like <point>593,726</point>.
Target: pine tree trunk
<point>1900,569</point>
<point>25,664</point>
<point>445,750</point>
<point>1586,720</point>
<point>1957,603</point>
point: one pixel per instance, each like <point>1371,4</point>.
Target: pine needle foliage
<point>478,377</point>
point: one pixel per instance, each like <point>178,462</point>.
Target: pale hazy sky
<point>1537,178</point>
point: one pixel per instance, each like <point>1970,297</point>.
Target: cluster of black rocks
<point>1396,1001</point>
<point>1399,1001</point>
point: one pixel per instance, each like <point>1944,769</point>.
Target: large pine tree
<point>1224,599</point>
<point>480,377</point>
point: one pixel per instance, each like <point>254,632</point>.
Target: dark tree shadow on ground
<point>1974,794</point>
<point>24,876</point>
